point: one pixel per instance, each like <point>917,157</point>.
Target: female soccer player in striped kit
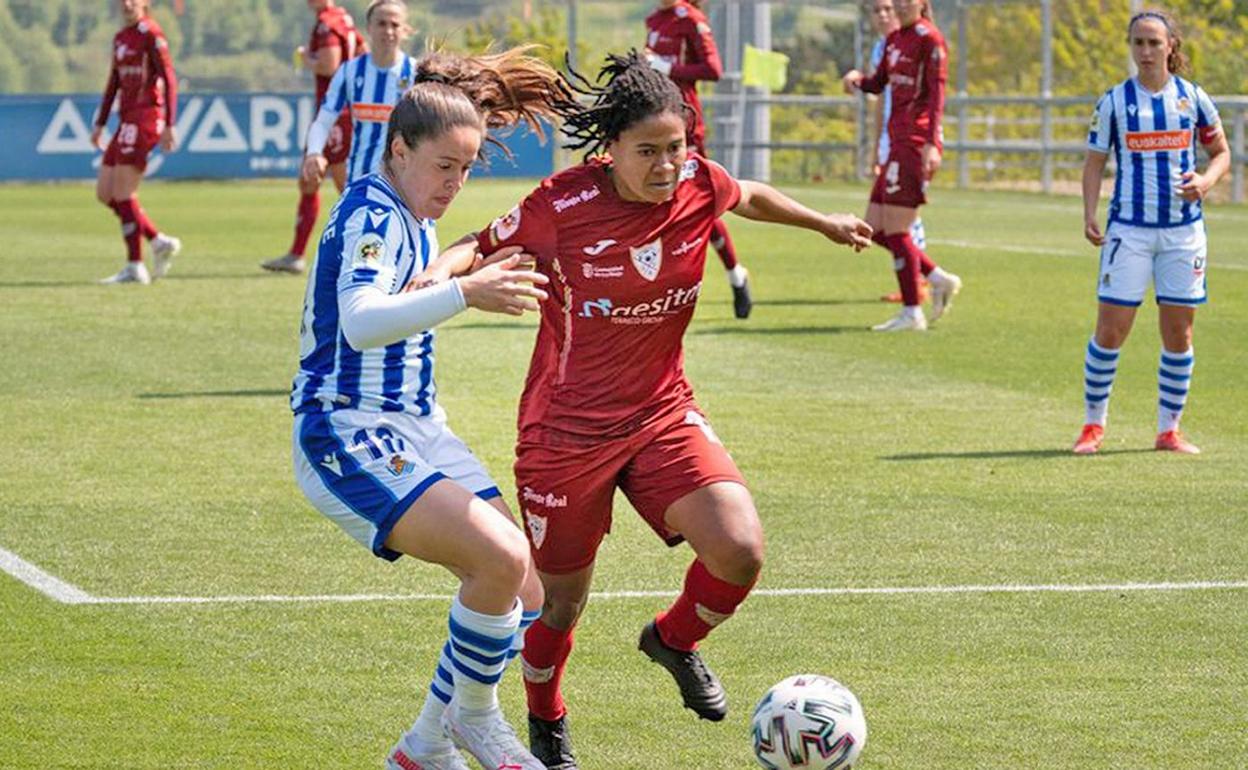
<point>1150,123</point>
<point>607,406</point>
<point>372,450</point>
<point>142,75</point>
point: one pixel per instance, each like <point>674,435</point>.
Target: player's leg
<point>306,213</point>
<point>338,173</point>
<point>164,246</point>
<point>907,265</point>
<point>118,181</point>
<point>1179,278</point>
<point>721,241</point>
<point>548,644</point>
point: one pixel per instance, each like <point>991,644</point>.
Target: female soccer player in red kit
<point>142,75</point>
<point>622,239</point>
<point>334,40</point>
<point>680,45</point>
<point>914,69</point>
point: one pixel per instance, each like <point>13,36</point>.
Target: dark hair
<point>489,92</point>
<point>633,91</point>
<point>1176,62</point>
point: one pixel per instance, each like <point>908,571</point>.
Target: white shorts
<point>365,469</point>
<point>1173,257</point>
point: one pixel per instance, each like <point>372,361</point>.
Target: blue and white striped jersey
<point>877,56</point>
<point>371,94</point>
<point>371,240</point>
<point>1153,138</point>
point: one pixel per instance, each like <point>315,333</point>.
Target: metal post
<point>572,33</point>
<point>860,107</point>
<point>964,129</point>
<point>1046,92</point>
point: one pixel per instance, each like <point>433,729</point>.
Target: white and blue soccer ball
<point>810,722</point>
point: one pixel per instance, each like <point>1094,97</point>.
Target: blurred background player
<point>334,40</point>
<point>622,238</point>
<point>372,449</point>
<point>142,76</point>
<point>1156,230</point>
<point>915,65</point>
<point>883,21</point>
<point>679,44</point>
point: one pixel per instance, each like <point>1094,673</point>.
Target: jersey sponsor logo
<point>648,258</point>
<point>894,54</point>
<point>686,247</point>
<point>607,271</point>
<point>1158,141</point>
<point>599,247</point>
<point>505,226</point>
<point>537,531</point>
<point>122,51</point>
<point>571,201</point>
<point>371,113</point>
<point>369,250</point>
<point>548,500</point>
<point>654,311</point>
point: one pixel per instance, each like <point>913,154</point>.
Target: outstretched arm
<point>764,203</point>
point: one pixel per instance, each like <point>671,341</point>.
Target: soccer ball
<point>810,722</point>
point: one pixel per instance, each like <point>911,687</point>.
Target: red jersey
<point>335,29</point>
<point>142,73</point>
<point>915,67</point>
<point>681,35</point>
<point>624,279</point>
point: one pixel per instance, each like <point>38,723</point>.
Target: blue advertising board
<point>230,136</point>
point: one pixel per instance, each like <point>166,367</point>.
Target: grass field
<point>149,458</point>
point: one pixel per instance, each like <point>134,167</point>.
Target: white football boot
<point>402,757</point>
<point>284,264</point>
<point>489,738</point>
<point>164,249</point>
<point>133,272</point>
<point>943,292</point>
<point>904,321</point>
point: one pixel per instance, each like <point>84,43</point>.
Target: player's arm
<point>764,203</point>
<point>935,75</point>
<point>462,257</point>
<point>703,62</point>
<point>314,162</point>
<point>1093,170</point>
<point>854,81</point>
<point>877,130</point>
<point>106,104</point>
<point>327,59</point>
<point>1209,130</point>
<point>162,63</point>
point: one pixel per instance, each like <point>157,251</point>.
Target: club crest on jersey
<point>403,83</point>
<point>398,466</point>
<point>369,251</point>
<point>1185,105</point>
<point>688,170</point>
<point>506,226</point>
<point>648,259</point>
<point>681,11</point>
<point>537,528</point>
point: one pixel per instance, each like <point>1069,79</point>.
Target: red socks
<point>723,244</point>
<point>907,262</point>
<point>305,220</point>
<point>544,658</point>
<point>129,228</point>
<point>706,602</point>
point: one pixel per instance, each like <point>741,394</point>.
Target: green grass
<point>149,451</point>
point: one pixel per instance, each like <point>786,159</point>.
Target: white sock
<point>1100,365</point>
<point>737,276</point>
<point>1174,378</point>
<point>912,311</point>
<point>937,275</point>
<point>480,647</point>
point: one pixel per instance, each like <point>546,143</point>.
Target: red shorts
<point>901,181</point>
<point>566,489</point>
<point>339,145</point>
<point>134,141</point>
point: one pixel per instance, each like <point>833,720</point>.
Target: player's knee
<point>562,612</point>
<point>743,561</point>
<point>104,197</point>
<point>506,562</point>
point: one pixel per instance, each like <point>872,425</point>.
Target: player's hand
<point>849,230</point>
<point>301,59</point>
<point>1092,231</point>
<point>931,161</point>
<point>169,139</point>
<point>313,169</point>
<point>502,287</point>
<point>96,136</point>
<point>1194,186</point>
<point>852,81</point>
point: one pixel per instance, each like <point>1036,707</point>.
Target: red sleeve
<point>530,225</point>
<point>703,60</point>
<point>110,93</point>
<point>935,73</point>
<point>162,63</point>
<point>727,191</point>
<point>875,82</point>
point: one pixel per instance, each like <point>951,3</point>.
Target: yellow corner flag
<point>764,69</point>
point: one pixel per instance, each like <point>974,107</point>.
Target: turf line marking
<point>46,584</point>
<point>1047,252</point>
<point>1008,588</point>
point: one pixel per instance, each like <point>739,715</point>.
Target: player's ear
<point>399,149</point>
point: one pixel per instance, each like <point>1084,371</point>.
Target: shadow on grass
<point>795,302</point>
<point>218,394</point>
<point>747,328</point>
<point>1022,454</point>
<point>95,284</point>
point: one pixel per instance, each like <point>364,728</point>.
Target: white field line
<point>1042,251</point>
<point>49,585</point>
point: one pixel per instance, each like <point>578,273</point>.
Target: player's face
<point>883,17</point>
<point>388,28</point>
<point>133,10</point>
<point>1150,45</point>
<point>319,5</point>
<point>647,156</point>
<point>909,11</point>
<point>433,172</point>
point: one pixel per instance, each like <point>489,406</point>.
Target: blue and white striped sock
<point>479,650</point>
<point>527,618</point>
<point>1099,367</point>
<point>1174,378</point>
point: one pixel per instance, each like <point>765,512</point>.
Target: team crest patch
<point>1095,123</point>
<point>1185,105</point>
<point>506,226</point>
<point>537,528</point>
<point>688,170</point>
<point>398,466</point>
<point>404,83</point>
<point>369,250</point>
<point>681,11</point>
<point>648,259</point>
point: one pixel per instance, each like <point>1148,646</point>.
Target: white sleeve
<point>371,318</point>
<point>1101,130</point>
<point>335,102</point>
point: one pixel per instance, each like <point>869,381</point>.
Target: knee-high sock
<point>907,262</point>
<point>705,602</point>
<point>1174,378</point>
<point>722,242</point>
<point>479,646</point>
<point>1100,365</point>
<point>129,228</point>
<point>305,220</point>
<point>147,228</point>
<point>544,659</point>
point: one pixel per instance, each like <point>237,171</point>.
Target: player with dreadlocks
<point>622,239</point>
